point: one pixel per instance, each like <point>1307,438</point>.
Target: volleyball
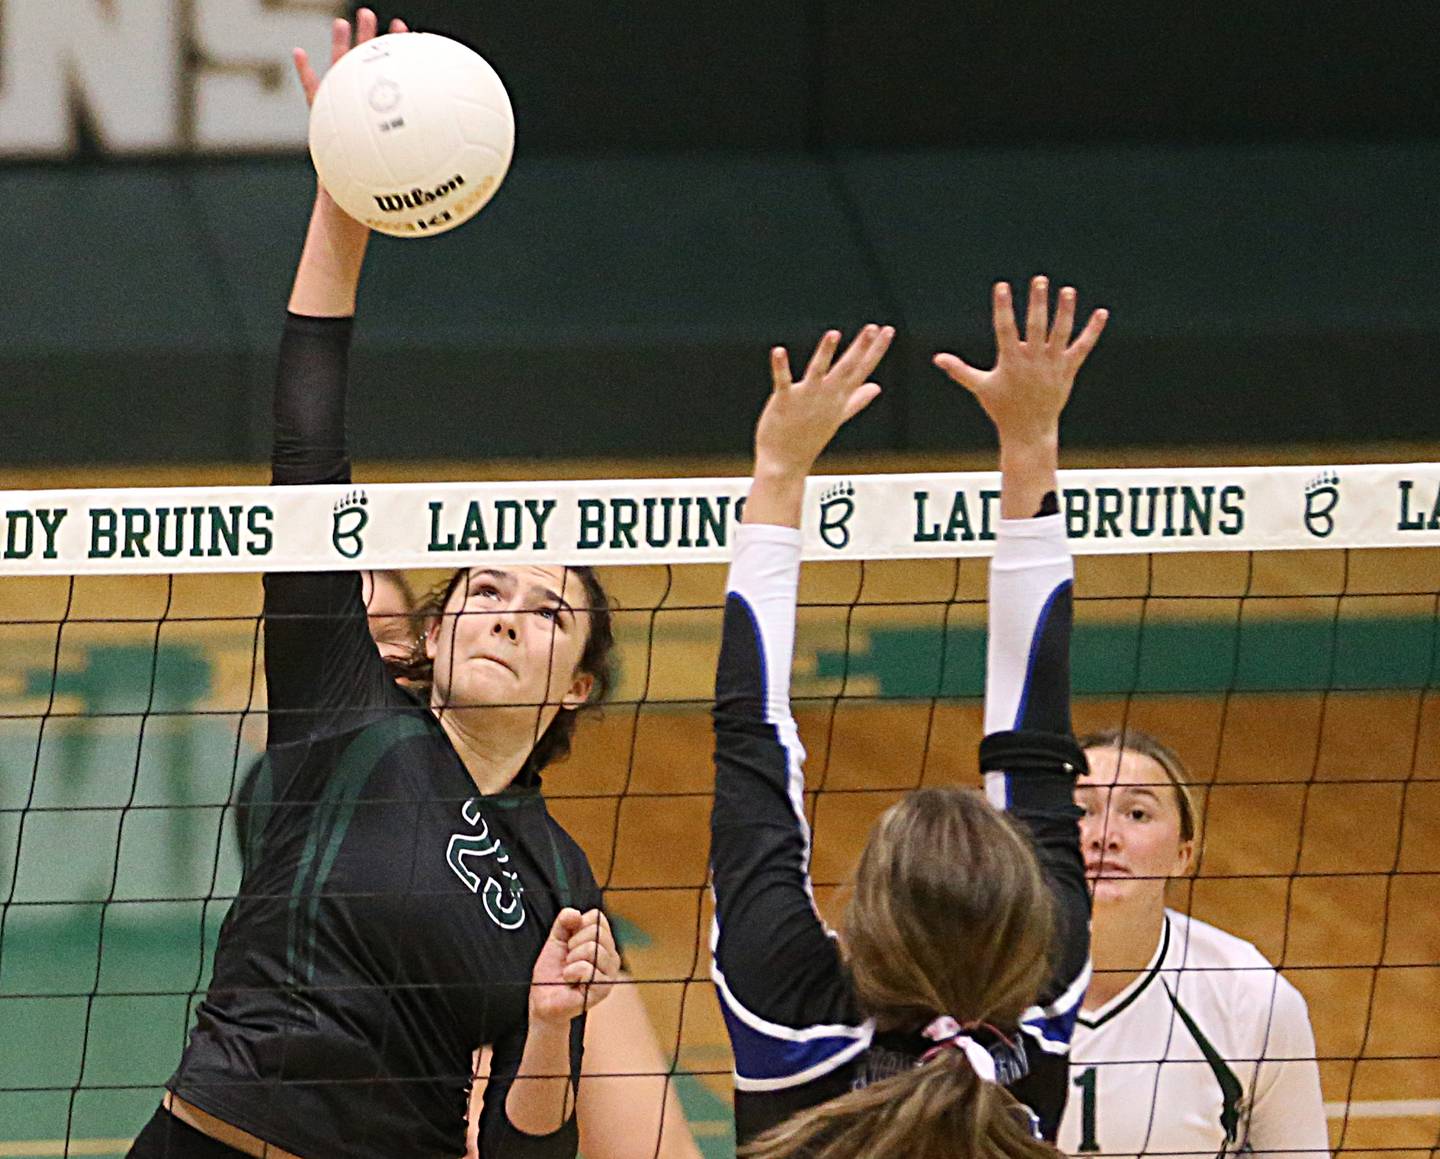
<point>412,133</point>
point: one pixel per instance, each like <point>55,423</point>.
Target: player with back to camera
<point>936,1026</point>
<point>1190,1045</point>
<point>410,898</point>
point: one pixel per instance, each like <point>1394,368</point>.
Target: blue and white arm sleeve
<point>1029,756</point>
<point>1027,662</point>
<point>782,989</point>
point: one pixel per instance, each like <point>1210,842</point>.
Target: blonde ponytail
<point>940,1109</point>
<point>949,925</point>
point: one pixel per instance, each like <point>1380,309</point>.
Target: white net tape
<point>671,521</point>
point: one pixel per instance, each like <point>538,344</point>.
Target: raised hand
<point>576,969</point>
<point>1030,384</point>
<point>802,417</point>
<point>329,270</point>
<point>341,42</point>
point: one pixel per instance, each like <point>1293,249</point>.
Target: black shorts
<point>166,1137</point>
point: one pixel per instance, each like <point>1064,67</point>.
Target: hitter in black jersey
<point>407,898</point>
<point>938,1025</point>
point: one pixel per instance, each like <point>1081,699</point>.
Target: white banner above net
<point>171,530</point>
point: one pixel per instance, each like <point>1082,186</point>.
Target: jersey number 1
<point>1085,1080</point>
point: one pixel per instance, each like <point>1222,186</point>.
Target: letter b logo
<point>1322,496</point>
<point>837,505</point>
<point>349,521</point>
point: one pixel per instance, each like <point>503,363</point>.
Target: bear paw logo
<point>1322,496</point>
<point>837,504</point>
<point>349,521</point>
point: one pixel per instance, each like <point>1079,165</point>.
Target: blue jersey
<point>798,1036</point>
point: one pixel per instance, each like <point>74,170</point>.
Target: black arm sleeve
<point>502,1139</point>
<point>1038,767</point>
<point>310,401</point>
<point>320,660</point>
<point>1041,768</point>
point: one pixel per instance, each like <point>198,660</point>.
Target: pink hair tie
<point>948,1034</point>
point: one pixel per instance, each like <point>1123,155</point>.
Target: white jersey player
<point>1190,1045</point>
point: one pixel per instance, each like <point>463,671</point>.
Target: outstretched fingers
<point>1030,383</point>
<point>309,82</point>
<point>959,371</point>
<point>1064,319</point>
<point>861,357</point>
<point>859,361</point>
<point>366,25</point>
<point>339,39</point>
<point>780,369</point>
<point>801,417</point>
<point>861,397</point>
<point>342,39</point>
<point>1079,350</point>
<point>824,355</point>
<point>1037,315</point>
<point>864,353</point>
<point>1003,308</point>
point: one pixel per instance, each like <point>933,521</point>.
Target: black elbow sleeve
<point>1023,751</point>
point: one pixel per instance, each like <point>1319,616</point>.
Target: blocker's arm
<point>1029,757</point>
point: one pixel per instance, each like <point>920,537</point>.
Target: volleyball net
<point>1279,627</point>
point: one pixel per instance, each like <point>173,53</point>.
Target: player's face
<point>389,615</point>
<point>512,637</point>
<point>1130,833</point>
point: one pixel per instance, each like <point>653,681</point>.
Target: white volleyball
<point>412,133</point>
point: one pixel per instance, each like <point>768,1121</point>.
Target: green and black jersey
<point>389,918</point>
